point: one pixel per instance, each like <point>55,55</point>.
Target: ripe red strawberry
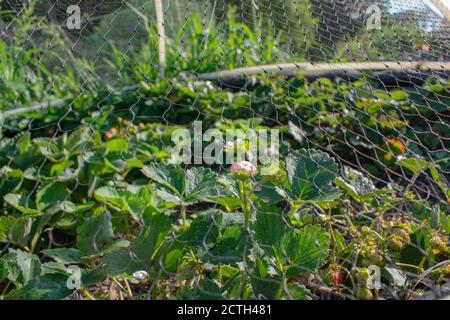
<point>111,133</point>
<point>336,277</point>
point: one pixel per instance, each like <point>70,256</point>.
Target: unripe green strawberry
<point>438,244</point>
<point>446,271</point>
<point>405,226</point>
<point>364,293</point>
<point>366,230</point>
<point>363,275</point>
<point>410,196</point>
<point>403,235</point>
<point>394,244</point>
<point>373,257</point>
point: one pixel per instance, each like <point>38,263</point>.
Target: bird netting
<point>241,149</point>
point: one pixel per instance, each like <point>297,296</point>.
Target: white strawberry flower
<point>229,145</point>
<point>140,275</point>
<point>243,170</point>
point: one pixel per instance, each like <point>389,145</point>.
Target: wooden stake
<point>161,37</point>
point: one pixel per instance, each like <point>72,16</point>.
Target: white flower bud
<point>140,275</point>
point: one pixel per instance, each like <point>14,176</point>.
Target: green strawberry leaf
<point>414,165</point>
<point>178,186</point>
<point>355,183</point>
<point>207,289</point>
<point>11,180</point>
<point>64,255</point>
<point>107,194</point>
<point>21,267</point>
<point>151,238</point>
<point>269,227</point>
<point>50,195</point>
<point>168,195</point>
<point>95,234</point>
<point>298,292</point>
<point>77,139</point>
<point>200,182</point>
<point>122,261</point>
<point>265,284</point>
<point>143,251</point>
<point>22,203</point>
<point>16,230</point>
<point>117,145</point>
<point>306,249</point>
<point>310,174</point>
<point>46,287</point>
<point>229,248</point>
<point>170,176</point>
<point>204,230</point>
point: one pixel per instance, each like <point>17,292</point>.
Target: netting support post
<point>161,37</point>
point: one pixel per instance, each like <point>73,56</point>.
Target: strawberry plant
<point>94,207</point>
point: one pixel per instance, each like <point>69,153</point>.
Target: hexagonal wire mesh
<point>358,95</point>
